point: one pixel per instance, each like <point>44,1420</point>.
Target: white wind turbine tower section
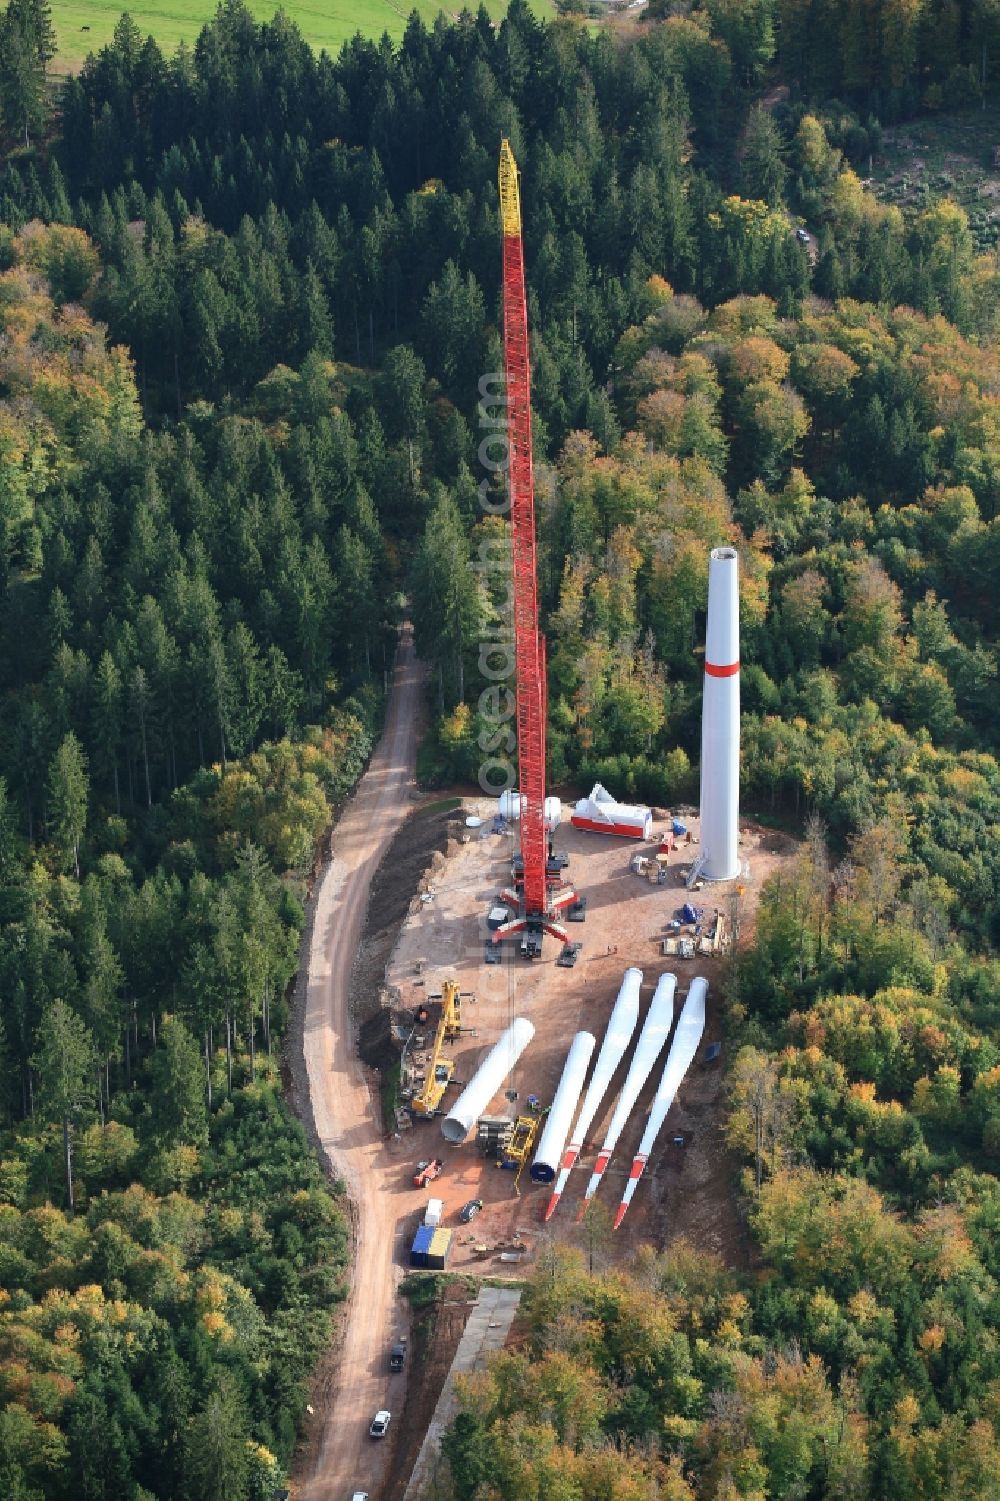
<point>560,1116</point>
<point>720,722</point>
<point>477,1094</point>
<point>690,1026</point>
<point>652,1041</point>
<point>623,1022</point>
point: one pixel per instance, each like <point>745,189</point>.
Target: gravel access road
<point>346,1115</point>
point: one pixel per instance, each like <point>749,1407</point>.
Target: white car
<point>360,1496</point>
<point>380,1422</point>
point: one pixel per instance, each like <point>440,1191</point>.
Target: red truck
<point>427,1170</point>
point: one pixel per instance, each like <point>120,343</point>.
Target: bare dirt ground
<point>345,1118</point>
<point>685,1191</point>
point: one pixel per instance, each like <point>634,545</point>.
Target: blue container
<point>420,1250</point>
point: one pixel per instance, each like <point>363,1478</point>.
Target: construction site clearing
<point>449,1006</point>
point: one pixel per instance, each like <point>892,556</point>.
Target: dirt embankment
<point>420,845</point>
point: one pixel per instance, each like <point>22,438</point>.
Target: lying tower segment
<point>563,1108</point>
<point>720,722</point>
<point>492,1071</point>
<point>541,890</point>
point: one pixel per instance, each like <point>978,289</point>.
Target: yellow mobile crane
<point>439,1070</point>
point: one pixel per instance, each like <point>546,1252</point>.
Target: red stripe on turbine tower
<point>720,721</point>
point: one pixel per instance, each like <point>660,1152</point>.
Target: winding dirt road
<point>343,1111</point>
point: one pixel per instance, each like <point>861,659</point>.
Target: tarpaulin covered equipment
<point>603,814</point>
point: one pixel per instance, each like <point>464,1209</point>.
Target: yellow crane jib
<point>510,196</point>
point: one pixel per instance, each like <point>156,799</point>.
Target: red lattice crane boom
<point>542,892</point>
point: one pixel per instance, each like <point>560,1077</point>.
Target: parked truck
<point>397,1354</point>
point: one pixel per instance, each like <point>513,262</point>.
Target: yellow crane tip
<point>510,197</point>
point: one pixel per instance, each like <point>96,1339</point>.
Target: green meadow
<point>84,25</point>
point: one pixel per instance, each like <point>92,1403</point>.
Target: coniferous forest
<point>247,296</point>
